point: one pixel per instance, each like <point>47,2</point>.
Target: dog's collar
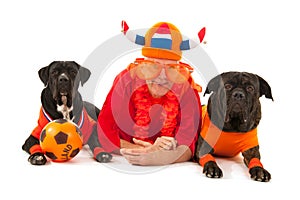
<point>79,124</point>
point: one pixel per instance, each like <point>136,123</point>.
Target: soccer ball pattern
<point>61,140</point>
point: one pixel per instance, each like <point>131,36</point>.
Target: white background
<point>261,37</point>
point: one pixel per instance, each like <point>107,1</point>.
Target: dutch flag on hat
<point>161,38</point>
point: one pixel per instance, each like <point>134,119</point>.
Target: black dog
<point>60,99</point>
<point>229,122</point>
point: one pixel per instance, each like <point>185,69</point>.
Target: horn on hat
<point>190,44</point>
<point>138,39</point>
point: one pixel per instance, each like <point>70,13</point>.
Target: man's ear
<point>213,84</point>
<point>84,74</point>
<point>44,74</point>
<point>264,88</point>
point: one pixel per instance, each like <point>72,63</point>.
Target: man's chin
<point>157,90</point>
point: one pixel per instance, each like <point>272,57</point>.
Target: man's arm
<point>160,157</point>
<point>128,145</point>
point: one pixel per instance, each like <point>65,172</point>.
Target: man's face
<point>160,85</point>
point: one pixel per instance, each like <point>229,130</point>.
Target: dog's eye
<point>227,86</point>
<point>54,72</point>
<point>73,72</point>
<point>250,88</point>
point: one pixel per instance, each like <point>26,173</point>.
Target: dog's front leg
<point>99,154</point>
<point>203,156</point>
<point>210,167</point>
<point>37,158</point>
<point>256,170</point>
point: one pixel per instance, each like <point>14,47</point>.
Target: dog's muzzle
<point>238,98</point>
<point>64,90</point>
<point>63,84</point>
<point>237,107</point>
<point>238,95</point>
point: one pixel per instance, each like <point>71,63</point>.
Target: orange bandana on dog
<point>226,144</point>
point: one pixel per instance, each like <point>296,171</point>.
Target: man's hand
<point>142,157</point>
<point>159,157</point>
<point>164,142</point>
<point>146,146</point>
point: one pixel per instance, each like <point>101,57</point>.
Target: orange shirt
<point>86,125</point>
<point>226,144</point>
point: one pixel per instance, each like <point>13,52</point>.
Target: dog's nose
<point>63,78</point>
<point>238,95</point>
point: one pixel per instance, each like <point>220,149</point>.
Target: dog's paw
<point>260,174</point>
<point>37,159</point>
<point>212,170</point>
<point>104,157</point>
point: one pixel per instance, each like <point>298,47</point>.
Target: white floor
<point>82,177</point>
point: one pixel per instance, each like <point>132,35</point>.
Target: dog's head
<point>234,104</point>
<point>63,79</point>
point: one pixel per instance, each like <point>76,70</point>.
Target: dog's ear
<point>84,74</point>
<point>44,74</point>
<point>264,88</point>
<point>213,84</point>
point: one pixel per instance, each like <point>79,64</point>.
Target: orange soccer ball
<point>61,140</point>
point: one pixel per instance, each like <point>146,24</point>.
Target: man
<point>152,113</point>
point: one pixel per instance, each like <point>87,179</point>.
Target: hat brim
<point>160,53</point>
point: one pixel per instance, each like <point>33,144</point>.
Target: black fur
<point>63,78</point>
<point>234,106</point>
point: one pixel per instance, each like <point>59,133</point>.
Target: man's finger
<point>126,152</point>
<point>132,159</point>
<point>168,138</point>
<point>172,140</point>
<point>141,142</point>
<point>165,145</point>
<point>133,152</point>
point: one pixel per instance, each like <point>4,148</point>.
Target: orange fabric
<point>172,54</point>
<point>255,162</point>
<point>206,158</point>
<point>35,148</point>
<point>160,53</point>
<point>98,150</point>
<point>42,122</point>
<point>86,125</point>
<point>143,102</point>
<point>226,144</point>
